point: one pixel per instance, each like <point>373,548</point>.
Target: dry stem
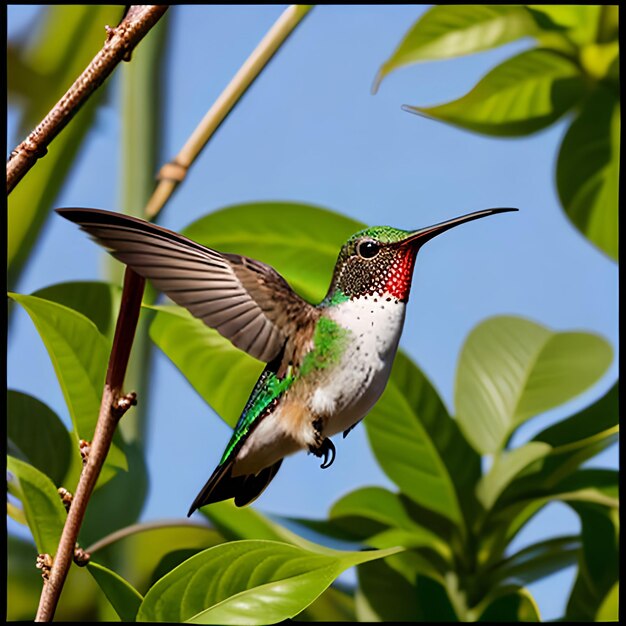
<point>119,44</point>
<point>112,407</point>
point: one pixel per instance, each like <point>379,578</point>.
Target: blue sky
<point>309,130</point>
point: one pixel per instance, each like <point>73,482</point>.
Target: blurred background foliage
<point>441,540</point>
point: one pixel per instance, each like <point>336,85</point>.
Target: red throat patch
<point>401,272</point>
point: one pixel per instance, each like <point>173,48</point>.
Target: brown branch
<point>119,44</point>
<point>114,404</point>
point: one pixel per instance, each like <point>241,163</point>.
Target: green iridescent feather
<point>334,298</point>
<point>329,342</point>
<point>267,389</point>
<point>384,234</point>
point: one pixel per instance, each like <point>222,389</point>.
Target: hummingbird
<point>326,364</point>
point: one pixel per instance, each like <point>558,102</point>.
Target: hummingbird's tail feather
<point>223,485</point>
<point>253,486</point>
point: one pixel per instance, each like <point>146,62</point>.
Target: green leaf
<point>300,241</point>
<point>97,301</point>
<point>556,477</point>
<point>247,582</point>
<point>609,609</point>
<point>376,503</point>
<point>170,561</point>
<point>429,554</point>
<point>587,172</point>
<point>600,535</point>
<point>602,61</point>
<point>42,505</point>
<point>598,565</point>
<point>79,355</point>
<point>334,605</point>
<point>515,606</point>
<point>387,593</point>
<point>506,467</point>
<point>80,592</point>
<point>434,601</point>
<point>592,420</point>
<point>37,435</point>
<point>609,23</point>
<point>332,529</point>
<point>23,81</point>
<point>383,506</point>
<point>520,506</point>
<point>522,95</point>
<point>450,31</point>
<point>23,582</point>
<point>512,369</point>
<point>219,372</point>
<point>461,460</point>
<point>537,561</point>
<point>124,598</point>
<point>579,22</point>
<point>147,544</point>
<point>241,523</point>
<point>247,523</point>
<point>407,449</point>
<point>384,595</point>
<point>591,485</point>
<point>573,441</point>
<point>69,38</point>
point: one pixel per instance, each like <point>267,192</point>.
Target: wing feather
<point>245,300</point>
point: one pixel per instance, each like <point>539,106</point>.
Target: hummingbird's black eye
<point>368,249</point>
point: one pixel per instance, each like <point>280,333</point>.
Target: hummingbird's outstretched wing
<point>246,301</point>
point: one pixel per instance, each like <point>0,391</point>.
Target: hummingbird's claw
<point>327,449</point>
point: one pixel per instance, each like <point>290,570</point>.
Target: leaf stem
<point>114,404</point>
<point>173,173</point>
<point>119,44</point>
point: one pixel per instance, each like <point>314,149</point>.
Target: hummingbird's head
<point>380,260</point>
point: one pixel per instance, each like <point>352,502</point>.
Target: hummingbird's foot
<point>327,449</point>
<point>323,445</point>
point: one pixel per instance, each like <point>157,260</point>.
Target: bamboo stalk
<point>174,172</point>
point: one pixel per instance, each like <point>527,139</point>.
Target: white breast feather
<point>353,387</point>
<point>350,389</point>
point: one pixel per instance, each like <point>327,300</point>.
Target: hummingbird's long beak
<point>422,235</point>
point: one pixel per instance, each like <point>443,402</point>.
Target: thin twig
<point>133,529</point>
<point>119,44</point>
<point>172,173</point>
<point>114,404</point>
